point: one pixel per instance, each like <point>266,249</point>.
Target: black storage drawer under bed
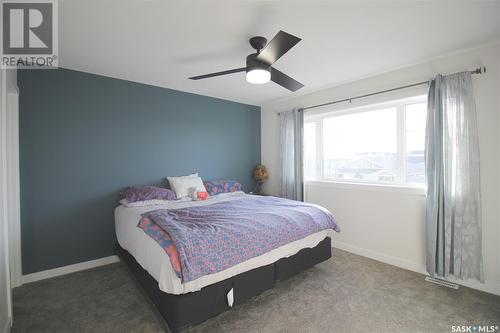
<point>183,311</point>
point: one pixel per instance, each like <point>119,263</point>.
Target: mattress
<point>148,253</point>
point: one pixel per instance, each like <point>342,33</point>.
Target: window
<point>310,150</point>
<point>381,143</point>
<point>415,118</point>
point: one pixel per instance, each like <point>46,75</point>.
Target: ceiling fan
<point>258,66</point>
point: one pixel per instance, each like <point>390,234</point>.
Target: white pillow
<point>185,185</point>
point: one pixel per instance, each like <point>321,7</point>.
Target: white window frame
<point>399,104</point>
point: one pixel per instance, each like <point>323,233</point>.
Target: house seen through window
<point>381,143</point>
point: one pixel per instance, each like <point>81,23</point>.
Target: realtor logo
<point>29,34</point>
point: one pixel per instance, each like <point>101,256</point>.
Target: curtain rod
<point>479,70</point>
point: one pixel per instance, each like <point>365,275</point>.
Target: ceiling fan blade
<point>284,80</point>
<point>206,76</point>
<point>278,46</point>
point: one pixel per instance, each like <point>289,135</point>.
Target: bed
<point>185,302</point>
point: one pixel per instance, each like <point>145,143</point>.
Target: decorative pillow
<point>215,187</point>
<point>146,193</point>
<point>186,185</point>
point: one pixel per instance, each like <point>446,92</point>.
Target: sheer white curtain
<point>453,216</point>
<point>291,156</point>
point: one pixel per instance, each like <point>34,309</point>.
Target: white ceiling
<point>163,43</point>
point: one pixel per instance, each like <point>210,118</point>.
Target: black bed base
<point>183,311</point>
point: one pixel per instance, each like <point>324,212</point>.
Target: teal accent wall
<point>83,137</point>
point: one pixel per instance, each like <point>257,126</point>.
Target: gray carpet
<point>348,293</point>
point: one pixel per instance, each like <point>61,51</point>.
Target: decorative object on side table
<point>260,175</point>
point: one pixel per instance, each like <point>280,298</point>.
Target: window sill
<point>388,188</point>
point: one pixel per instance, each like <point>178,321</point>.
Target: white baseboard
<point>69,269</point>
<point>391,260</point>
<point>492,288</point>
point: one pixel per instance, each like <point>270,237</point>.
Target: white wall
<point>7,79</point>
<point>4,286</point>
<point>388,224</point>
<point>12,175</point>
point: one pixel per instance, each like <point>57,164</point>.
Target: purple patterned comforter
<point>212,238</point>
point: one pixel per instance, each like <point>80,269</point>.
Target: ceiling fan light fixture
<point>258,76</point>
<point>258,65</point>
